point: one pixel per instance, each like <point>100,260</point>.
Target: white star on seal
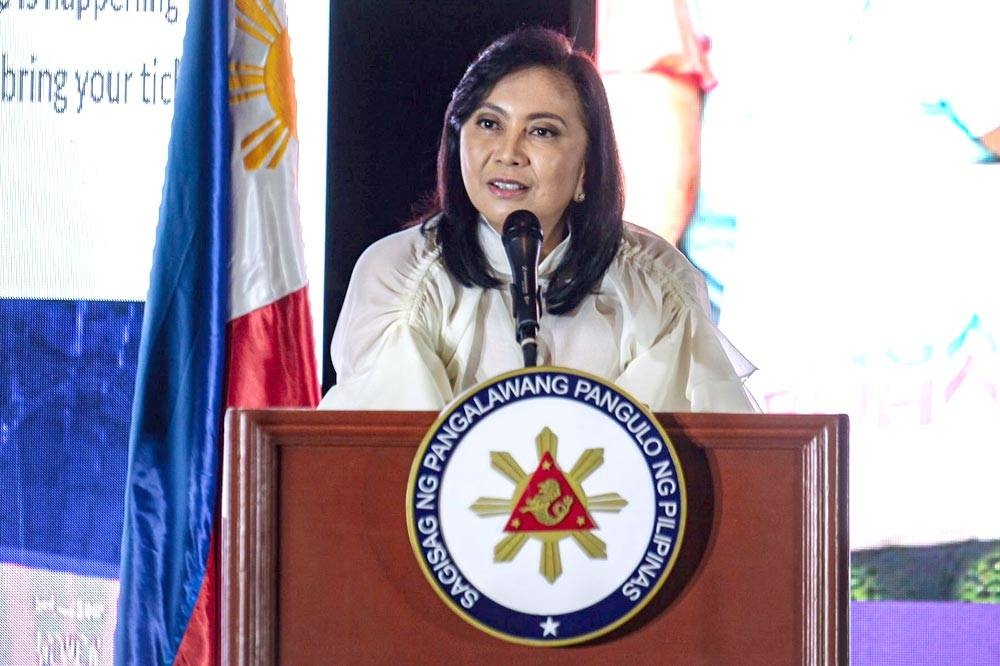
<point>548,627</point>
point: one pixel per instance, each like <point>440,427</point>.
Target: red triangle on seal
<point>548,503</point>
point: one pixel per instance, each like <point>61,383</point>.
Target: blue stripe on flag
<point>173,473</point>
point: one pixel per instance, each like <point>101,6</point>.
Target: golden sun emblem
<point>548,505</point>
<point>258,19</point>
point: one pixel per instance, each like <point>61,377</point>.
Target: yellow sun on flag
<point>268,142</point>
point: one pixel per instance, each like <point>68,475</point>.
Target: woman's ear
<point>580,194</point>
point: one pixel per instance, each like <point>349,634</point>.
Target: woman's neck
<point>552,237</point>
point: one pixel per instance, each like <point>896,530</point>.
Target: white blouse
<point>411,337</point>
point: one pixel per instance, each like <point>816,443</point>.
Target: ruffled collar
<point>492,244</point>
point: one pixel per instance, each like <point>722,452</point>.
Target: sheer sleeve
<point>384,346</point>
<point>683,361</point>
<point>689,370</point>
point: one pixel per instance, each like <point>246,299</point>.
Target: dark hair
<point>596,223</point>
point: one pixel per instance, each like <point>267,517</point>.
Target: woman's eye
<point>488,123</point>
<point>544,132</point>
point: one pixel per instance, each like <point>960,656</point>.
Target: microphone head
<point>522,242</point>
<point>521,223</point>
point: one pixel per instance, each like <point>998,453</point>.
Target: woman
<point>428,312</point>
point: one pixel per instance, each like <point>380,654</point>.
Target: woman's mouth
<point>507,189</point>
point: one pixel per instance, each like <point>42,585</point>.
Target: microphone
<point>522,241</point>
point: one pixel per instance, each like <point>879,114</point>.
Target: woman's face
<point>523,148</point>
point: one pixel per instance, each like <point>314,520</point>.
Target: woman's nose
<point>510,150</point>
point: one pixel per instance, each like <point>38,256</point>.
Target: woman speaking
<point>429,311</point>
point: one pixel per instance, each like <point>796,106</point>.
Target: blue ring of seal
<point>576,626</point>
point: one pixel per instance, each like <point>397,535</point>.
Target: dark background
<point>393,65</point>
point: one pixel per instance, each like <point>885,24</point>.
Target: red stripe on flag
<point>271,364</point>
<point>271,357</point>
<point>202,639</point>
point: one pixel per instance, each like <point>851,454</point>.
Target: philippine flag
<point>227,320</point>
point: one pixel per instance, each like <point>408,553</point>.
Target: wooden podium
<point>317,567</point>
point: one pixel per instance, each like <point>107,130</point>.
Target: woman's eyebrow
<point>494,108</point>
<point>538,115</point>
<point>548,115</point>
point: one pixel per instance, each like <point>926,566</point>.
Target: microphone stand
<point>526,336</point>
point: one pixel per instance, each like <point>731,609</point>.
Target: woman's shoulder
<point>646,257</point>
<point>640,245</point>
<point>399,270</point>
<point>408,254</point>
<point>412,246</point>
